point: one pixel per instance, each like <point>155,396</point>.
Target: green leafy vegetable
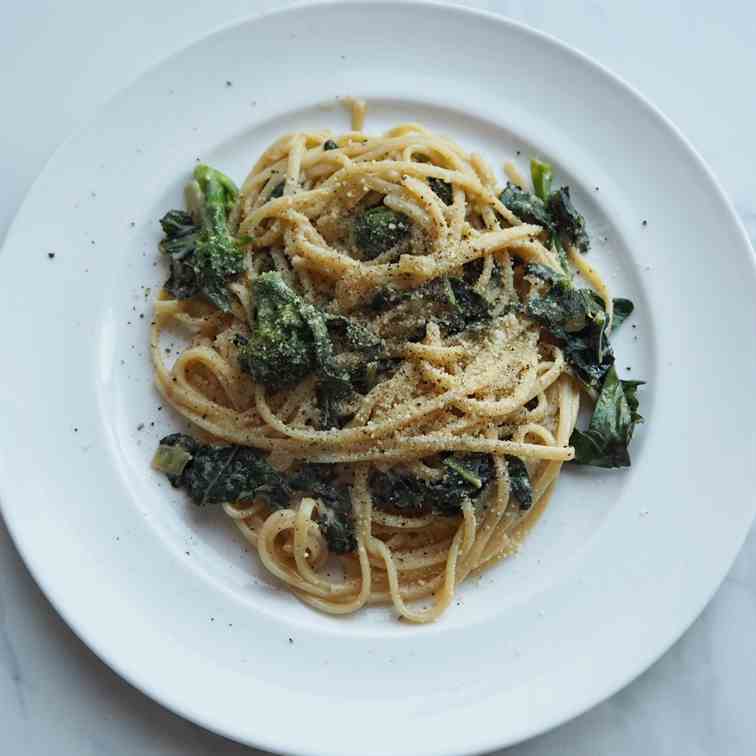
<point>173,454</point>
<point>232,473</point>
<point>526,206</point>
<point>540,173</point>
<point>452,303</point>
<point>553,210</point>
<point>568,222</point>
<point>279,351</point>
<point>180,242</point>
<point>203,253</point>
<point>623,308</point>
<point>606,441</point>
<point>335,517</point>
<point>329,144</point>
<point>290,339</point>
<point>577,319</point>
<point>218,474</point>
<point>278,190</point>
<point>519,482</point>
<point>379,229</point>
<point>443,189</point>
<point>467,477</point>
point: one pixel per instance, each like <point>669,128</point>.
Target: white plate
<point>621,563</point>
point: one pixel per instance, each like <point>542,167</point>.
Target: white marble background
<point>59,60</point>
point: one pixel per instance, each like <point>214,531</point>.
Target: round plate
<point>169,597</point>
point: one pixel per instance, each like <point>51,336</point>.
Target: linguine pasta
<point>496,391</point>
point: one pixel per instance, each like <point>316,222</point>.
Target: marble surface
<point>59,61</point>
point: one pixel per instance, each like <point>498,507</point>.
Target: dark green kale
<point>345,335</point>
<point>279,351</point>
<point>567,221</point>
<point>443,189</point>
<point>622,310</point>
<point>290,338</point>
<point>329,144</point>
<point>278,190</point>
<point>203,253</point>
<point>173,455</point>
<point>519,482</point>
<point>378,229</point>
<point>335,517</point>
<point>180,242</point>
<point>576,318</point>
<point>452,303</point>
<point>467,477</point>
<point>553,211</point>
<point>606,441</point>
<point>218,474</point>
<point>526,206</point>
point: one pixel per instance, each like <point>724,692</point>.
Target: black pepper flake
<point>644,223</point>
<point>76,430</point>
<point>518,152</point>
<point>141,315</point>
<point>635,325</point>
<point>228,83</point>
<point>596,189</point>
<point>160,407</point>
<point>132,224</point>
<point>187,553</point>
<point>291,640</point>
<point>92,242</point>
<point>51,255</point>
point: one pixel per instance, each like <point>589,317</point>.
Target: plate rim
<point>57,598</point>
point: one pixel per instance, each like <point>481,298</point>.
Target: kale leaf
<point>202,251</point>
<point>519,482</point>
<point>577,319</point>
<point>553,210</point>
<point>605,443</point>
<point>467,477</point>
<point>279,351</point>
<point>329,144</point>
<point>218,474</point>
<point>378,229</point>
<point>180,242</point>
<point>623,309</point>
<point>443,189</point>
<point>291,338</point>
<point>526,206</point>
<point>567,221</point>
<point>452,303</point>
<point>335,517</point>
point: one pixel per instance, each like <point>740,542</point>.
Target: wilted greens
<point>335,517</point>
<point>452,303</point>
<point>553,210</point>
<point>239,474</point>
<point>466,478</point>
<point>217,474</point>
<point>202,250</point>
<point>291,338</point>
<point>577,319</point>
<point>378,229</point>
<point>606,441</point>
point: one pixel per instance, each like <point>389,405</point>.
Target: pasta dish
<point>386,354</point>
